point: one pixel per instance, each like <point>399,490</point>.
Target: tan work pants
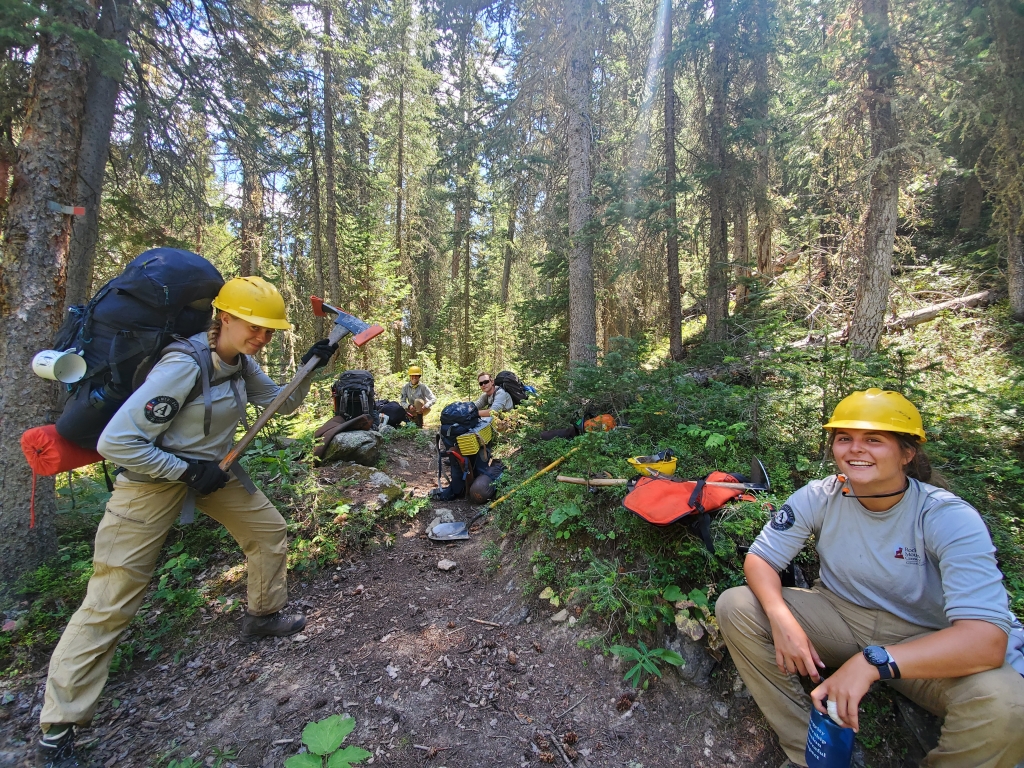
<point>983,713</point>
<point>128,542</point>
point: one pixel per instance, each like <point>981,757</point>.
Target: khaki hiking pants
<point>128,542</point>
<point>983,713</point>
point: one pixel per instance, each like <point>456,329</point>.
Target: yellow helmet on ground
<point>254,300</point>
<point>415,370</point>
<point>874,408</point>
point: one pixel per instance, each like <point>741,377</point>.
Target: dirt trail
<point>391,641</point>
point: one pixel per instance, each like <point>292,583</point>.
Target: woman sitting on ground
<point>909,592</point>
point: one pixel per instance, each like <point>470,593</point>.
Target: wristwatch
<point>881,659</point>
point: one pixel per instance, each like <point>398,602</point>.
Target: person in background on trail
<point>168,448</point>
<point>909,592</point>
<point>493,399</point>
<point>416,398</point>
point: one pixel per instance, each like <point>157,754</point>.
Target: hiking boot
<point>56,748</point>
<point>442,494</point>
<point>278,624</point>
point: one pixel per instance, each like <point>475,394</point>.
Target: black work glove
<point>205,476</point>
<point>323,350</point>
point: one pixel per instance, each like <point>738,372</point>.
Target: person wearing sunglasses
<point>493,399</point>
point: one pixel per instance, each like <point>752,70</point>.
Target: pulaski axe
<point>344,325</point>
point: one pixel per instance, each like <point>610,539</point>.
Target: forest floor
<point>391,640</point>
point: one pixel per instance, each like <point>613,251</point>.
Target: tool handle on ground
<point>595,481</point>
<point>337,334</point>
<point>533,477</point>
<point>713,483</point>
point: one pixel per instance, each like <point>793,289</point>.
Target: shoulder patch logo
<point>783,518</point>
<point>161,409</point>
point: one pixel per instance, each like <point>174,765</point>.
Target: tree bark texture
<point>579,85</point>
<point>100,103</point>
<point>718,236</point>
<point>317,245</point>
<point>872,299</point>
<point>675,302</point>
<point>329,163</point>
<point>32,282</point>
<point>763,207</point>
<point>1007,142</point>
<point>970,206</point>
<point>741,251</point>
<point>510,235</point>
<point>252,216</point>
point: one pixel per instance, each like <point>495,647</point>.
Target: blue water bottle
<point>829,745</point>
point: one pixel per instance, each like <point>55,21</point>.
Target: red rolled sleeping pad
<point>49,454</point>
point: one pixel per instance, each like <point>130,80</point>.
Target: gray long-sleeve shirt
<point>158,408</point>
<point>411,394</point>
<point>929,560</point>
<point>496,403</point>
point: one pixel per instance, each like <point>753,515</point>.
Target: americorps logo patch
<point>783,518</point>
<point>161,409</point>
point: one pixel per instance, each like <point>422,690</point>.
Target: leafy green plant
<point>323,739</point>
<point>646,662</point>
<point>491,555</point>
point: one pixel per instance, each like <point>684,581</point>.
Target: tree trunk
<point>718,238</point>
<point>251,214</point>
<point>32,281</point>
<point>675,301</point>
<point>400,169</point>
<point>872,300</point>
<point>100,103</point>
<point>582,300</point>
<point>510,235</point>
<point>1015,266</point>
<point>741,252</point>
<point>762,94</point>
<point>329,165</point>
<point>970,207</point>
<point>317,245</point>
<point>464,356</point>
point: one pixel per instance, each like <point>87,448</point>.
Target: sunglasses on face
<point>485,382</point>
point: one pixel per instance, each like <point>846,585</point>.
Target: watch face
<point>876,655</point>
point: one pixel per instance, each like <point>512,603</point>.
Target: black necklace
<point>850,495</point>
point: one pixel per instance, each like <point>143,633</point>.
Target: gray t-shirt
<point>929,560</point>
<point>158,408</point>
<point>499,401</point>
<point>411,394</point>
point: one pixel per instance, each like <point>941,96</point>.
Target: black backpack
<point>353,395</point>
<point>162,294</point>
<point>458,419</point>
<point>511,384</point>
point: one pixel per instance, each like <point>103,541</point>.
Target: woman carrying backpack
<point>909,592</point>
<point>168,446</point>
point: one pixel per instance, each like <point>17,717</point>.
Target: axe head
<point>361,332</point>
<point>759,476</point>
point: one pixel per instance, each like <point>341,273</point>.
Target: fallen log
<point>908,319</point>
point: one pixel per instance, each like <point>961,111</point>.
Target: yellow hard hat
<point>874,408</point>
<point>415,370</point>
<point>254,300</point>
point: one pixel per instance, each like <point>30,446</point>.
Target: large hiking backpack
<point>122,331</point>
<point>458,419</point>
<point>511,384</point>
<point>353,395</point>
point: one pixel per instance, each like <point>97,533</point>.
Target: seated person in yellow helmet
<point>416,398</point>
<point>909,592</point>
<point>169,448</point>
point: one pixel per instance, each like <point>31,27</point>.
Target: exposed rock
<point>442,516</point>
<point>697,662</point>
<point>721,709</point>
<point>446,565</point>
<point>561,616</point>
<point>361,446</point>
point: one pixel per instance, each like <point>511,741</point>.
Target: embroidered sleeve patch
<point>783,518</point>
<point>161,409</point>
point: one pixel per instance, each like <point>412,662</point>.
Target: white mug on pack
<point>67,367</point>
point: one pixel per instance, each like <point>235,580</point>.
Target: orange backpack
<point>660,501</point>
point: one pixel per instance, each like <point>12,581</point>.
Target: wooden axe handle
<point>338,332</point>
<point>595,481</point>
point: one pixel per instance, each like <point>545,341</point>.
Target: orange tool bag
<point>49,454</point>
<point>660,501</point>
